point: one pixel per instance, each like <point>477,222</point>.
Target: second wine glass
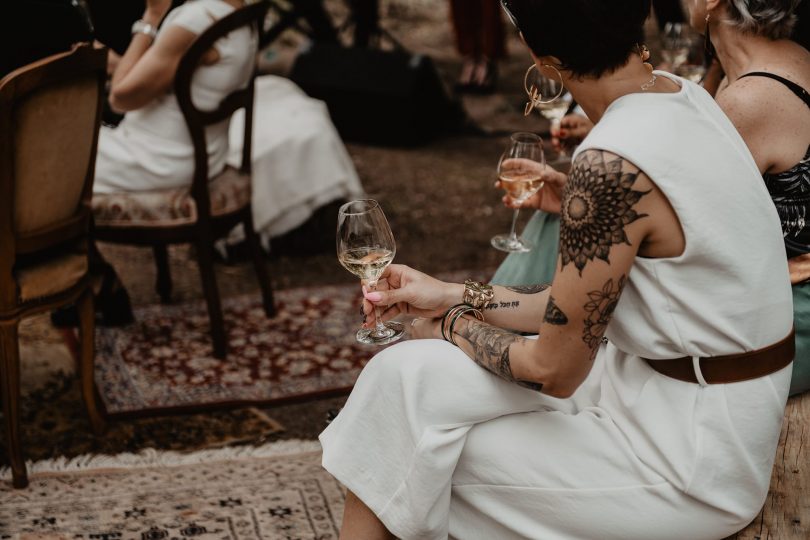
<point>552,110</point>
<point>365,247</point>
<point>520,171</point>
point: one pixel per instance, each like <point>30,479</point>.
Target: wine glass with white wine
<point>365,247</point>
<point>520,172</point>
<point>552,110</point>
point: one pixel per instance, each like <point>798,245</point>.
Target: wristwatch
<point>142,27</point>
<point>476,294</point>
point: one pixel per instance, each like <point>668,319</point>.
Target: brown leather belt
<point>731,368</point>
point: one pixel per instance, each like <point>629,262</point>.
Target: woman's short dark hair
<point>590,37</point>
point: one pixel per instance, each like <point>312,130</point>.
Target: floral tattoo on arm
<point>491,350</point>
<point>597,205</point>
<point>599,308</point>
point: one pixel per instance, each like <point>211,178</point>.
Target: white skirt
<point>438,447</point>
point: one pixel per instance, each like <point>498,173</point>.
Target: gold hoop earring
<point>535,97</point>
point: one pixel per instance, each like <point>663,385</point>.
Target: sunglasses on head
<point>508,11</point>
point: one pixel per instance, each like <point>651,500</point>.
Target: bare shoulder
<point>746,101</point>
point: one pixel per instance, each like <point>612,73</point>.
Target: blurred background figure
<point>481,42</point>
<point>765,94</point>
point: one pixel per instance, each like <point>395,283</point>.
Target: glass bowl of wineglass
<point>552,110</point>
<point>365,247</point>
<point>520,172</point>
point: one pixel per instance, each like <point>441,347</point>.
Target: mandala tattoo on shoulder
<point>600,307</point>
<point>491,350</point>
<point>554,315</point>
<point>597,205</point>
<point>528,289</point>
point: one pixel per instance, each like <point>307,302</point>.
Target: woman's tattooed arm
<point>528,289</point>
<point>490,349</point>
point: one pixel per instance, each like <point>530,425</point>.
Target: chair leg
<point>209,283</point>
<point>10,392</point>
<point>163,284</point>
<point>260,266</point>
<point>86,368</point>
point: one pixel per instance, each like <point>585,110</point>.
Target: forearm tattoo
<point>496,305</point>
<point>554,315</point>
<point>491,350</point>
<point>597,205</point>
<point>599,308</point>
<point>528,289</point>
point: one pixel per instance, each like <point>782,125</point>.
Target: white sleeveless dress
<point>151,148</point>
<point>438,447</point>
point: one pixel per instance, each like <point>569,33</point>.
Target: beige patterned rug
<point>274,492</point>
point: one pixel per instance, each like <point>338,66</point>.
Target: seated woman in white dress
<point>151,148</point>
<point>668,430</point>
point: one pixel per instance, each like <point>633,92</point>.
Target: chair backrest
<point>50,113</point>
<point>196,119</point>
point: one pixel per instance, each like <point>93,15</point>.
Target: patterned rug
<point>163,362</point>
<point>273,492</point>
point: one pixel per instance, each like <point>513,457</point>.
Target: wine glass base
<point>505,242</point>
<point>393,331</point>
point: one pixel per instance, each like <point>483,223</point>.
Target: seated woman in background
<point>482,433</point>
<point>765,94</point>
<point>151,148</point>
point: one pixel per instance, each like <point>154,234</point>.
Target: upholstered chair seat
<point>229,192</point>
<point>41,279</point>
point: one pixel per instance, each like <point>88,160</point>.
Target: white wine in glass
<point>365,247</point>
<point>520,171</point>
<point>553,110</point>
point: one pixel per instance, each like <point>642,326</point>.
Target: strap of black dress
<point>795,88</point>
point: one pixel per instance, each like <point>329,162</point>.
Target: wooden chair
<point>50,113</point>
<point>211,207</point>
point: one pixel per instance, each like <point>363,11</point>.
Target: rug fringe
<point>150,457</point>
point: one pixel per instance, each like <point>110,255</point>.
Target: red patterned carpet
<point>163,362</point>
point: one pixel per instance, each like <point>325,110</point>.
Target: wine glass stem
<point>555,128</point>
<point>380,327</point>
<point>512,234</point>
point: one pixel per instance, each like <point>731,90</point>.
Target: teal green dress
<point>538,266</point>
<point>801,321</point>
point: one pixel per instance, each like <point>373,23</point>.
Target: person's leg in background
<point>493,45</point>
<point>466,20</point>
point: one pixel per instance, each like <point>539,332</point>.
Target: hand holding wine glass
<point>550,107</point>
<point>365,247</point>
<point>521,177</point>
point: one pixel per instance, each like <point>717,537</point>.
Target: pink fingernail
<point>373,297</point>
